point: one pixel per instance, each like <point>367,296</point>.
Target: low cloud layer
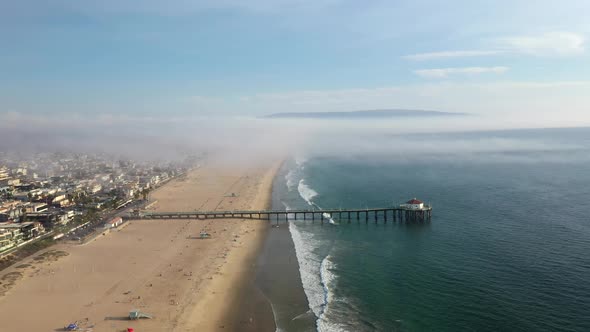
<point>252,140</point>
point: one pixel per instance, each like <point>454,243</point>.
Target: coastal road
<point>104,216</point>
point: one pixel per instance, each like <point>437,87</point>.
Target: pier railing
<point>395,214</point>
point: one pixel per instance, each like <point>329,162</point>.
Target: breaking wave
<point>315,270</point>
<point>306,192</point>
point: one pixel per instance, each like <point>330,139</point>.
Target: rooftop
<point>414,201</point>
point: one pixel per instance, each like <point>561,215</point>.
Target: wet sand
<point>157,266</point>
<point>278,273</point>
<point>279,279</point>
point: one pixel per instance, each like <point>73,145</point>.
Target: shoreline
<point>251,304</point>
<point>278,273</point>
<point>248,309</point>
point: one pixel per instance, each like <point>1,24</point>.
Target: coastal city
<point>48,197</point>
<point>294,166</point>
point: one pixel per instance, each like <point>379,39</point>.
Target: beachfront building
<point>6,240</point>
<point>47,218</point>
<point>23,231</point>
<point>413,204</point>
<point>113,223</point>
<point>13,234</point>
<point>10,237</point>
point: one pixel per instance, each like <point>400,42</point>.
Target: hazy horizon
<point>208,57</point>
<point>169,78</point>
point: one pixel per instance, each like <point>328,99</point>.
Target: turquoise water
<point>508,248</point>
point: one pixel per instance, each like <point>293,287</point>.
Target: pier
<point>403,214</point>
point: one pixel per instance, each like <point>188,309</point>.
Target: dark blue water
<point>508,248</point>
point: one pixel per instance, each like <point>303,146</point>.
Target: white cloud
<point>446,72</point>
<point>448,54</point>
<point>548,44</point>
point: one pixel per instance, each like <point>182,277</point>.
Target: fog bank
<point>250,140</point>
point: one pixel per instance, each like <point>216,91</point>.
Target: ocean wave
<point>330,219</point>
<point>300,161</point>
<point>309,268</point>
<point>306,192</point>
<point>317,278</point>
<point>295,172</point>
<point>328,278</point>
<point>290,179</point>
<point>315,270</point>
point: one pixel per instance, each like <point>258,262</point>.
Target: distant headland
<point>366,114</point>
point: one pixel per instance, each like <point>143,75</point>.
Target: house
<point>48,219</point>
<point>23,231</point>
<point>4,173</point>
<point>6,239</point>
<point>59,196</point>
<point>155,180</point>
<point>62,219</point>
<point>69,214</point>
<point>95,188</point>
<point>11,210</point>
<point>5,189</point>
<point>13,182</point>
<point>37,207</point>
<point>21,196</point>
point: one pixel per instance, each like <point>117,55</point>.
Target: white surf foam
<point>315,271</point>
<point>317,278</point>
<point>306,192</point>
<point>328,278</point>
<point>309,268</point>
<point>300,161</point>
<point>329,217</point>
<point>290,179</point>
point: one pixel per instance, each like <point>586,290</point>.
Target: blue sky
<point>508,59</point>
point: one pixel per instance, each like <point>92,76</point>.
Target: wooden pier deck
<point>394,214</point>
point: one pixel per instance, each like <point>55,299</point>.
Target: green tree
<point>145,193</point>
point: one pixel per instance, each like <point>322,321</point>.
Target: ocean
<point>508,247</point>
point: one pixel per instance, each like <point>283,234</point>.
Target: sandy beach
<point>159,267</point>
